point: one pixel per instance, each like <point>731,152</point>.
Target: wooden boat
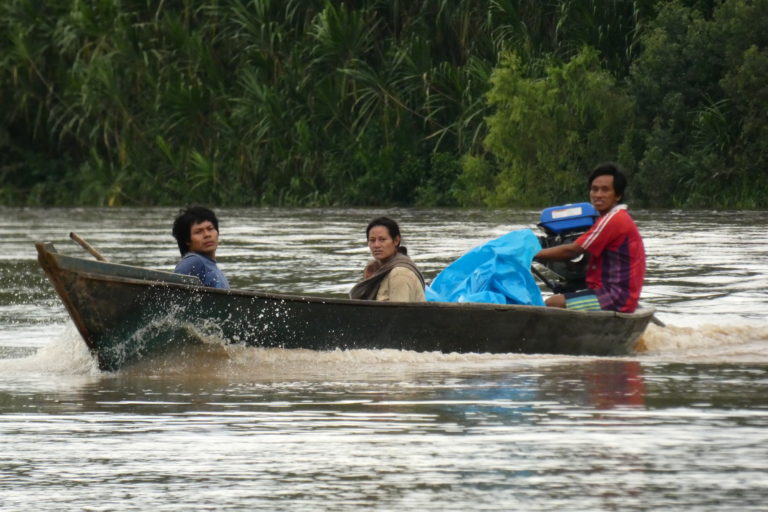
<point>125,313</point>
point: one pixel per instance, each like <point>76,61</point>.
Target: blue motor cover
<point>568,217</point>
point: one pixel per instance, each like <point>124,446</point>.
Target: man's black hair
<point>611,169</point>
<point>182,226</point>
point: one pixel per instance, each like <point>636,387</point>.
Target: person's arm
<point>560,252</point>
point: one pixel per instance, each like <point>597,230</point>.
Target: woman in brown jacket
<point>392,276</point>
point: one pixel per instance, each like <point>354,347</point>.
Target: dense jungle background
<point>496,103</point>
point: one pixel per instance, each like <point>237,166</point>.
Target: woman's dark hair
<point>610,169</point>
<point>392,228</point>
<point>182,226</point>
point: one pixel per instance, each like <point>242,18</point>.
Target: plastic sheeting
<point>498,272</point>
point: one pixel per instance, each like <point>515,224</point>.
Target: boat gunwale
<point>61,266</point>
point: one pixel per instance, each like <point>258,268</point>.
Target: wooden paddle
<point>85,245</point>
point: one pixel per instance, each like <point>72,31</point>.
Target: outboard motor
<point>563,225</point>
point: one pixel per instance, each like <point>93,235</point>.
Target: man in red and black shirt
<point>617,256</point>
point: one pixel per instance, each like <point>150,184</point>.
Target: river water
<point>681,425</point>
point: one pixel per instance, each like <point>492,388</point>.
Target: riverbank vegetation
<point>493,103</point>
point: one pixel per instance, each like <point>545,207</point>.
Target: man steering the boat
<point>196,231</point>
<point>617,256</point>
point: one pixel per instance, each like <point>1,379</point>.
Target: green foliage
<point>700,89</point>
<point>437,188</point>
<point>320,102</point>
<point>547,132</point>
<point>240,102</point>
<point>475,182</point>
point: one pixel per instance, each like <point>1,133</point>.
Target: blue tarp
<point>498,272</point>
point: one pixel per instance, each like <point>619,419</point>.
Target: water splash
<point>207,356</point>
<point>65,354</point>
<point>707,342</point>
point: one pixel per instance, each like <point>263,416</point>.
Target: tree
<point>547,132</point>
<point>700,91</point>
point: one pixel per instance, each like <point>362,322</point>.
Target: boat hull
<point>127,313</point>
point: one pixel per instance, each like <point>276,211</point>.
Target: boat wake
<point>66,354</point>
<point>238,362</point>
<point>212,356</point>
<point>206,355</point>
<point>706,343</point>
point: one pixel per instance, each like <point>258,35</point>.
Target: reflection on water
<point>682,425</point>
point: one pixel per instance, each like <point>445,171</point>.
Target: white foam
<point>707,342</point>
<point>65,354</point>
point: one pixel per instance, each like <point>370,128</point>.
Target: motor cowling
<point>563,225</point>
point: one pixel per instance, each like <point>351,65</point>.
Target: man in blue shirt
<point>196,230</point>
